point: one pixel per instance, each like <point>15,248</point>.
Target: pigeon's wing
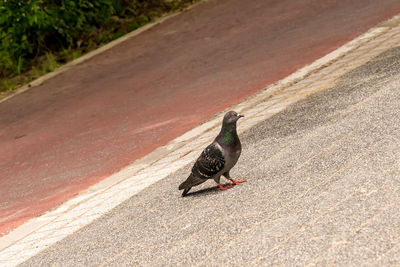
<point>210,162</point>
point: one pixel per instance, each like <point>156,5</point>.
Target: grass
<point>51,60</point>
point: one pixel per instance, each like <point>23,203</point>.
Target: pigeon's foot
<point>234,182</point>
<point>221,187</point>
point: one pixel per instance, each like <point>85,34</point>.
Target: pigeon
<point>218,158</point>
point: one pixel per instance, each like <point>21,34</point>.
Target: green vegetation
<point>36,36</point>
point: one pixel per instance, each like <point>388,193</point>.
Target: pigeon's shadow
<point>206,191</point>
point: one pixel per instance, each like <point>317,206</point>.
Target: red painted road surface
<point>91,121</point>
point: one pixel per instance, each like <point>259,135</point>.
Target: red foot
<point>221,187</point>
<point>238,181</point>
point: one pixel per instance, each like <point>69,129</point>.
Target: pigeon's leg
<point>220,186</point>
<point>234,182</point>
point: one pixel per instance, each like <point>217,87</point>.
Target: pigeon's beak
<point>240,116</point>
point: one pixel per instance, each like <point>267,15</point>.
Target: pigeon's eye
<point>233,116</point>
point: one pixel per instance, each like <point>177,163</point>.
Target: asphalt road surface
<point>91,121</point>
<point>323,188</point>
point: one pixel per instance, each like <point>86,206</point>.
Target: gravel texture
<point>323,188</point>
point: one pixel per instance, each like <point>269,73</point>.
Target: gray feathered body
<point>217,159</point>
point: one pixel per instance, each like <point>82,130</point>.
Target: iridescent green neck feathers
<point>228,134</point>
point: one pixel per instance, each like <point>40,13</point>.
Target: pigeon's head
<point>231,117</point>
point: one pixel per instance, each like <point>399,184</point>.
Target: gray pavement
<point>323,188</point>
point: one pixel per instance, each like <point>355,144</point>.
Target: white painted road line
<point>41,232</point>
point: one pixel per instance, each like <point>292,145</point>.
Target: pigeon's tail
<point>187,183</point>
<point>185,191</point>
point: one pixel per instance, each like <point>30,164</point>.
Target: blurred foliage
<point>58,30</point>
